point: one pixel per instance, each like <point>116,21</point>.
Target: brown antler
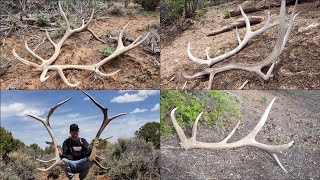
<point>46,123</point>
<point>256,68</point>
<point>249,140</point>
<point>46,64</point>
<point>93,156</point>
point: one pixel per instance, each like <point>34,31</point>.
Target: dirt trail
<point>296,68</point>
<point>137,69</point>
<point>294,116</point>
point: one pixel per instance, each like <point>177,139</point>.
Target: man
<point>75,154</point>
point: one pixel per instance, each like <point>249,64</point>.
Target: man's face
<point>74,133</point>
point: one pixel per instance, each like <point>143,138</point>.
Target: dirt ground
<point>138,70</point>
<point>296,68</point>
<point>43,176</point>
<point>294,116</point>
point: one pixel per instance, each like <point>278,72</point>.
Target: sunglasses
<point>74,130</point>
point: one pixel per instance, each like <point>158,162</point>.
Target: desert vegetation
<point>134,158</point>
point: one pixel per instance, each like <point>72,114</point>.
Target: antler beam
<point>249,140</point>
<point>46,123</point>
<point>106,120</point>
<point>282,39</point>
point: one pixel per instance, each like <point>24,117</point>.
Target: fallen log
<point>239,23</point>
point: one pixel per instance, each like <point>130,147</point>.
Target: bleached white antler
<point>282,39</point>
<point>249,140</point>
<point>46,123</point>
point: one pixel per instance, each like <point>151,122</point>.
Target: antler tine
<point>64,79</point>
<point>84,25</point>
<point>52,166</point>
<point>55,107</point>
<point>44,161</point>
<point>179,130</point>
<point>100,166</point>
<point>95,102</point>
<point>194,128</point>
<point>29,63</point>
<point>32,52</point>
<point>231,133</point>
<point>64,16</point>
<point>248,140</point>
<point>262,121</point>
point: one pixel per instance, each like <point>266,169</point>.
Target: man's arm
<point>64,150</point>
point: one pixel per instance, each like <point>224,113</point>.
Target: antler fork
<point>249,140</point>
<point>46,124</point>
<point>106,120</point>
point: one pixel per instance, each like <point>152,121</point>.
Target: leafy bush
<point>150,132</point>
<point>4,58</point>
<point>115,10</point>
<point>43,18</point>
<point>170,11</point>
<point>12,20</point>
<point>8,143</point>
<point>107,50</point>
<point>216,105</point>
<point>149,5</point>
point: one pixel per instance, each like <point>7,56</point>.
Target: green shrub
<point>107,50</point>
<point>4,58</point>
<point>43,18</point>
<point>170,12</point>
<point>190,106</point>
<point>12,19</point>
<point>149,5</point>
<point>150,132</point>
<point>131,159</point>
<point>8,143</point>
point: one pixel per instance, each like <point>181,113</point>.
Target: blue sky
<point>142,105</point>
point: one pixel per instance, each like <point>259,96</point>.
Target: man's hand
<point>95,144</point>
<point>59,151</point>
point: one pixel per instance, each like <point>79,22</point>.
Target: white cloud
<point>138,110</point>
<point>124,91</point>
<point>73,115</point>
<point>19,109</point>
<point>86,99</point>
<point>140,96</point>
<point>155,107</point>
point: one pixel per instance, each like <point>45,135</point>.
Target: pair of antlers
<point>93,156</point>
<point>282,39</point>
<point>47,64</point>
<point>249,140</point>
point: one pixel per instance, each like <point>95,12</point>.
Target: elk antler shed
<point>249,140</point>
<point>282,39</point>
<point>47,64</point>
